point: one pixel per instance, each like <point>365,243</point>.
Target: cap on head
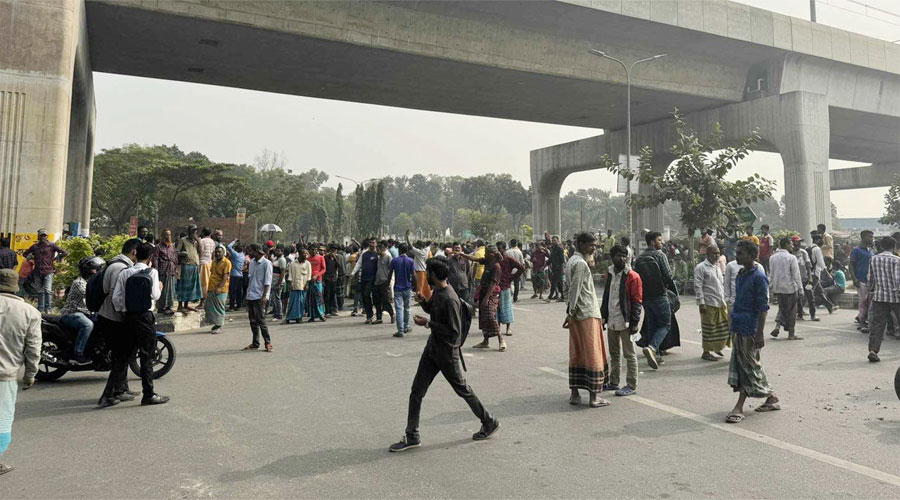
<point>9,281</point>
<point>42,232</point>
<point>796,238</point>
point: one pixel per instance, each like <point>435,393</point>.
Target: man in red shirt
<point>315,296</point>
<point>45,253</point>
<point>539,258</point>
<point>766,246</point>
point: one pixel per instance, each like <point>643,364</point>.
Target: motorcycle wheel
<point>897,383</point>
<point>47,373</point>
<point>163,358</point>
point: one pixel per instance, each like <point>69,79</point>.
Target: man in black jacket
<point>442,354</point>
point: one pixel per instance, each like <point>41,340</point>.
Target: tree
<point>269,160</point>
<point>892,205</point>
<point>696,181</point>
<point>123,183</point>
<point>402,223</point>
<point>428,221</point>
<point>338,224</point>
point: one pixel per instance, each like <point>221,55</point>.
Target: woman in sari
<point>488,296</point>
<point>300,273</point>
<point>217,289</point>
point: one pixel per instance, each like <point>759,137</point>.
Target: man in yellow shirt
<point>217,289</point>
<point>750,236</point>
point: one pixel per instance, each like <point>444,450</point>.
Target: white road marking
<point>522,308</point>
<point>755,436</point>
<point>803,325</point>
<point>393,355</point>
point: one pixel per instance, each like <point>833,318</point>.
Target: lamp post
<point>628,70</point>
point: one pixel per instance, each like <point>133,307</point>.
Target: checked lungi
<point>745,372</point>
<point>787,310</point>
<point>188,287</point>
<point>587,354</point>
<point>715,329</point>
<point>487,315</point>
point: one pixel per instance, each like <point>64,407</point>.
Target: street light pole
<point>628,71</point>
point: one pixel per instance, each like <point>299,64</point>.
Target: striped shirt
<point>884,277</point>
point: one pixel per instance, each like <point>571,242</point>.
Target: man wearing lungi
<point>709,288</point>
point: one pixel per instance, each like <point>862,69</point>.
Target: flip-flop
<point>575,401</point>
<point>768,407</point>
<point>600,403</point>
<point>708,357</point>
<point>503,347</point>
<point>734,418</point>
<point>5,468</point>
<point>794,337</point>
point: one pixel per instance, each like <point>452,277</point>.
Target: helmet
<point>89,264</point>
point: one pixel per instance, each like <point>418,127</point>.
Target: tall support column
<point>37,50</point>
<point>79,171</point>
<point>802,137</point>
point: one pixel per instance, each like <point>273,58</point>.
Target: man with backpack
<point>449,324</point>
<point>135,294</point>
<point>653,267</point>
<point>111,323</point>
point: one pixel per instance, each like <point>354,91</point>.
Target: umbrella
<point>272,228</point>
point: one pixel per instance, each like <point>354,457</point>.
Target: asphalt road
<point>314,420</point>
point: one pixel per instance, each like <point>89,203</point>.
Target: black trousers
<point>257,322</point>
<point>330,296</point>
<point>446,361</point>
<point>382,298</point>
<point>236,292</point>
<point>517,283</point>
<point>556,290</point>
<point>121,345</point>
<point>368,287</point>
<point>143,326</point>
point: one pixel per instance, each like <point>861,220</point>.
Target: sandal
<point>502,346</point>
<point>794,337</point>
<point>250,347</point>
<point>508,334</point>
<point>734,418</point>
<point>269,348</point>
<point>481,345</point>
<point>775,332</point>
<point>708,357</point>
<point>765,407</point>
<point>5,468</point>
<point>599,403</point>
<point>574,400</point>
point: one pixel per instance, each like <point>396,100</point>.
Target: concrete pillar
<point>79,171</point>
<point>37,50</point>
<point>801,134</point>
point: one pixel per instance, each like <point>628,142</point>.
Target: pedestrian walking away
<point>884,280</point>
<point>488,297</point>
<point>449,324</point>
<point>134,295</point>
<point>746,375</point>
<point>20,345</point>
<point>787,285</point>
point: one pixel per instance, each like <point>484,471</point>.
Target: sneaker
<point>123,397</point>
<point>354,313</point>
<point>651,358</point>
<point>873,358</point>
<point>377,322</point>
<point>864,330</point>
<point>107,402</point>
<point>155,399</point>
<point>487,430</point>
<point>215,329</point>
<point>398,334</point>
<point>625,391</point>
<point>369,321</point>
<point>404,444</point>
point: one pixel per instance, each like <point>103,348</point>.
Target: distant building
<point>857,224</point>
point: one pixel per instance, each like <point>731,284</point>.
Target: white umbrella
<point>272,228</point>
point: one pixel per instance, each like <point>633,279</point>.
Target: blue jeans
<point>45,299</point>
<point>659,318</point>
<point>401,306</point>
<point>275,300</point>
<point>82,324</point>
<point>236,292</point>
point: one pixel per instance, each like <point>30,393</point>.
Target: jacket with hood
<point>110,277</point>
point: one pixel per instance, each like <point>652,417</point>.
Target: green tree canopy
<point>892,205</point>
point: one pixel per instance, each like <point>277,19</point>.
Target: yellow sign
<point>23,241</point>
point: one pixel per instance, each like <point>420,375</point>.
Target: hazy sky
<point>362,141</point>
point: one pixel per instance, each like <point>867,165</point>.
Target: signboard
<point>745,215</point>
<point>622,184</point>
<point>132,227</point>
<point>23,241</point>
<point>241,217</point>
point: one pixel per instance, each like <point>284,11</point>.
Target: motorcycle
<point>58,347</point>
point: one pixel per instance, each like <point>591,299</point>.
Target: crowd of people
<point>456,283</point>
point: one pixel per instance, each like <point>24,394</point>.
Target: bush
<point>79,248</point>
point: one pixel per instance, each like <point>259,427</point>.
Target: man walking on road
<point>20,344</point>
<point>859,273</point>
<point>515,253</point>
<point>805,275</point>
<point>45,254</point>
<point>448,324</point>
<point>884,280</point>
<point>403,269</point>
<point>709,288</point>
<point>653,267</point>
<point>134,295</point>
<point>787,286</point>
<point>111,324</point>
<point>260,284</point>
<point>745,372</point>
<point>557,269</point>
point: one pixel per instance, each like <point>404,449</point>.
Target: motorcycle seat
<point>52,319</point>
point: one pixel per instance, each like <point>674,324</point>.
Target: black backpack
<point>468,312</point>
<point>138,290</point>
<point>651,276</point>
<point>94,296</point>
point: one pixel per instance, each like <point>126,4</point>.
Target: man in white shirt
<point>136,300</point>
<point>818,267</point>
<point>787,286</point>
<point>515,253</point>
<point>710,291</point>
